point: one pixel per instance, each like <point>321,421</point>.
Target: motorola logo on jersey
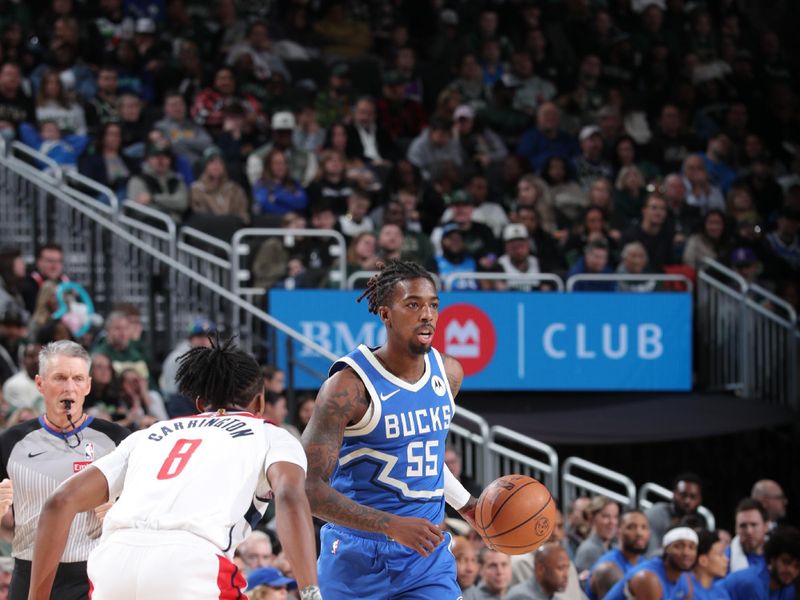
<point>437,383</point>
<point>466,333</point>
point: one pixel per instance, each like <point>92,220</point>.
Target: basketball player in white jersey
<point>189,490</point>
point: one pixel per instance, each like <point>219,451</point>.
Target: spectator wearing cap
<point>198,336</point>
<point>367,139</point>
<point>595,260</point>
<point>546,140</point>
<point>268,583</point>
<point>590,164</point>
<point>333,103</point>
<point>653,232</point>
<point>479,239</point>
<point>531,90</point>
<point>158,186</point>
<point>776,577</point>
<point>664,576</point>
<point>186,137</point>
<point>500,115</point>
<point>482,150</point>
<point>400,116</point>
<point>744,261</point>
<point>214,194</point>
<point>487,211</point>
<point>434,147</point>
<point>517,258</point>
<point>782,258</point>
<point>303,165</point>
<point>455,258</point>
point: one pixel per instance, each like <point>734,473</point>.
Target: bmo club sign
<point>516,340</point>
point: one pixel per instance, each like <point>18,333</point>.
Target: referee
<point>37,455</point>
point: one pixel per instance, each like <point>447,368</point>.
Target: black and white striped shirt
<point>37,459</point>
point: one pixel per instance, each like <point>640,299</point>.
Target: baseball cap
<point>283,120</point>
<point>202,327</point>
<point>743,256</point>
<point>210,154</point>
<point>588,132</point>
<point>155,149</point>
<point>458,197</point>
<point>449,228</point>
<point>464,112</point>
<point>13,318</point>
<point>341,70</point>
<point>393,77</point>
<point>514,231</point>
<point>145,25</point>
<point>449,16</point>
<point>269,576</point>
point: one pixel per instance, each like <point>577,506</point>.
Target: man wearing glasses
<point>37,455</point>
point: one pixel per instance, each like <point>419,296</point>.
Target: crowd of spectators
<point>630,137</point>
<point>627,137</point>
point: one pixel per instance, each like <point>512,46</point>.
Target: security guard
<point>37,455</point>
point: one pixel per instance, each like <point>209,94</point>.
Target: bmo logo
<point>466,333</point>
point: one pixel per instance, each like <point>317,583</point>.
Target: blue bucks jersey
<point>393,459</point>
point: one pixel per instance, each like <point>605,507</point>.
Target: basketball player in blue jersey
<point>375,448</point>
<point>661,578</point>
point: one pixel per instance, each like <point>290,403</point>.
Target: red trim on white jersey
<point>230,580</point>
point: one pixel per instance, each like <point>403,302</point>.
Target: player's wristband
<point>310,592</point>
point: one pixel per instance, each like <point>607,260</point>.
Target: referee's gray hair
<point>62,348</point>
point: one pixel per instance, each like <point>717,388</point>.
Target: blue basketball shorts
<point>368,566</point>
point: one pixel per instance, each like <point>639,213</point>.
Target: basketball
<point>515,514</point>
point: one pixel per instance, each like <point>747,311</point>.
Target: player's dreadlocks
<point>220,376</point>
<point>380,286</point>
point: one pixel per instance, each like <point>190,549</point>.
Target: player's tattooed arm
<point>455,373</point>
<point>341,400</point>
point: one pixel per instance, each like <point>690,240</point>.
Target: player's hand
<point>467,512</point>
<point>6,496</point>
<point>100,511</point>
<point>418,534</point>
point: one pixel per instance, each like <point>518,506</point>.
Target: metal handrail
<point>632,277</point>
<point>757,290</point>
<point>240,249</point>
<point>169,261</point>
<point>549,468</point>
<point>188,233</point>
<point>197,252</point>
<point>451,278</point>
<point>357,275</point>
<point>150,213</point>
<point>479,440</point>
<point>71,175</point>
<point>55,172</point>
<point>710,265</point>
<point>662,492</point>
<point>109,211</point>
<point>569,479</point>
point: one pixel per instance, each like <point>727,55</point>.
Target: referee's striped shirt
<point>37,459</point>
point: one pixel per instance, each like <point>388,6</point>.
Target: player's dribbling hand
<point>6,496</point>
<point>418,534</point>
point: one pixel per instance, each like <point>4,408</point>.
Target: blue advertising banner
<point>519,340</point>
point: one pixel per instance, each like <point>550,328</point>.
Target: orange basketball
<point>515,514</point>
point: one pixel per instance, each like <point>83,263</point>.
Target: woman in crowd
<point>603,516</point>
<point>106,165</point>
<point>53,104</point>
<point>276,192</point>
<point>712,241</point>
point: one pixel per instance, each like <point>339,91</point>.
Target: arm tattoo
<point>322,441</point>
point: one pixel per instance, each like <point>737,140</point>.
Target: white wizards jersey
<point>205,474</point>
